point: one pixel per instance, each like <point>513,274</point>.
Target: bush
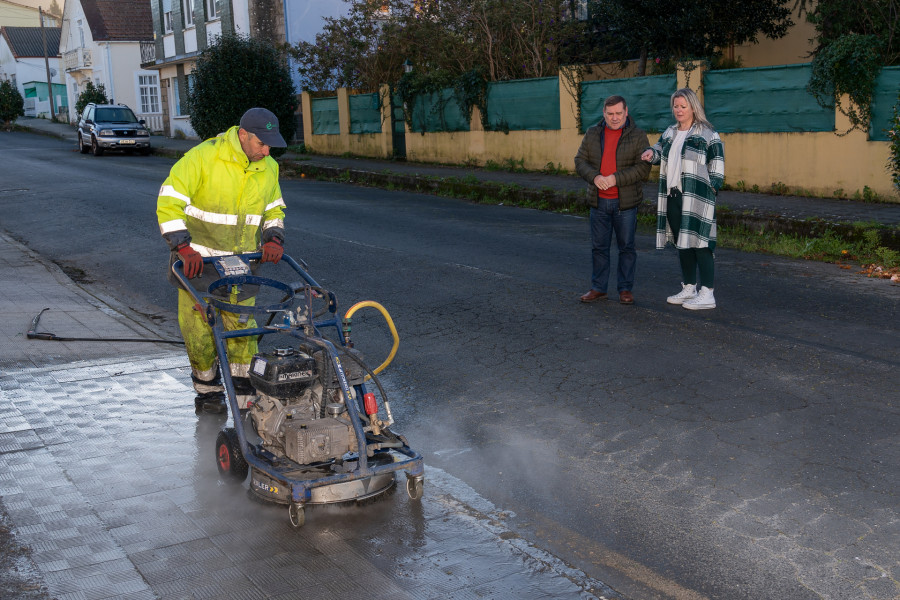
<point>12,104</point>
<point>236,74</point>
<point>894,157</point>
<point>91,93</point>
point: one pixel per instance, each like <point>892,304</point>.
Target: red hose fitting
<point>370,403</point>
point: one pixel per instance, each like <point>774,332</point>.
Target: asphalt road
<point>746,452</point>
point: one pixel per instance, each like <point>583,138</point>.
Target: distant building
<point>22,62</point>
<point>15,14</point>
<point>101,42</point>
<point>182,29</point>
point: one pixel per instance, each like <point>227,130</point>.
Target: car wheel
<point>95,147</point>
<point>81,147</point>
<point>145,151</point>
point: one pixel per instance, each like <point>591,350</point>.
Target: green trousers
<point>691,259</point>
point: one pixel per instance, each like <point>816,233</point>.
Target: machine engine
<point>301,412</point>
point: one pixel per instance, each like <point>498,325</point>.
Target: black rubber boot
<point>210,402</point>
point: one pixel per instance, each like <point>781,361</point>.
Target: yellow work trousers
<point>199,342</point>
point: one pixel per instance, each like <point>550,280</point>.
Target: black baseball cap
<point>264,125</point>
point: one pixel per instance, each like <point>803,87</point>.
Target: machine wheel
<point>229,458</point>
<point>297,515</point>
<point>95,147</point>
<point>415,487</point>
<point>81,147</point>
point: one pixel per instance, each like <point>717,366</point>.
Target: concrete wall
<point>374,145</point>
<point>818,163</point>
<point>793,48</point>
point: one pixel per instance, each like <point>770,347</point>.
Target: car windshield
<point>115,115</point>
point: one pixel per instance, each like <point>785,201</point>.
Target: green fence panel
<point>887,89</point>
<point>763,99</point>
<point>647,99</point>
<point>365,113</point>
<point>325,116</point>
<point>523,104</point>
<point>438,111</point>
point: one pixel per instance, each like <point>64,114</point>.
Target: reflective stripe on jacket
<point>220,201</point>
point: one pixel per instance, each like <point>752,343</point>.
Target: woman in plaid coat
<point>691,161</point>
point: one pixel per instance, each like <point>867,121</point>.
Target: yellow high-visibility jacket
<point>219,201</point>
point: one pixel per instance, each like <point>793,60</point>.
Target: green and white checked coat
<point>702,175</point>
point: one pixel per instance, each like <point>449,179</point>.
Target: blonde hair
<point>690,96</point>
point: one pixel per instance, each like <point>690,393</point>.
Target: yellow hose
<point>390,322</point>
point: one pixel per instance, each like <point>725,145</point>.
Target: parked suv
<point>111,127</point>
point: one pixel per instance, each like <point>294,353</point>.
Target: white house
<point>184,28</point>
<point>22,62</point>
<point>25,14</point>
<point>101,42</point>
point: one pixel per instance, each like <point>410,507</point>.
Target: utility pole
<point>47,66</point>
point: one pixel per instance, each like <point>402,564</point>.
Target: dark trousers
<point>606,219</point>
<point>691,259</point>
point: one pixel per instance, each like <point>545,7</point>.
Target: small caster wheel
<point>415,487</point>
<point>297,515</point>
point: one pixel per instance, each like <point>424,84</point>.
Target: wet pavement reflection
<point>110,479</point>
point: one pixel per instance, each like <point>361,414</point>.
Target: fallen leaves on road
<point>875,270</point>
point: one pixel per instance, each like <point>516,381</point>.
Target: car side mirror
<point>142,122</point>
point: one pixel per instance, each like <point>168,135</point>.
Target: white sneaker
<point>703,300</point>
<point>687,292</point>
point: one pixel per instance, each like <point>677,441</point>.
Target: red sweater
<point>608,161</point>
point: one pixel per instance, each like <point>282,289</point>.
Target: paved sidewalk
<point>783,209</point>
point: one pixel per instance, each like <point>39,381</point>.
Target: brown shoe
<point>626,297</point>
<point>593,296</point>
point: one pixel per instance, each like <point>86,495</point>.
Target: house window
<point>167,16</point>
<point>187,7</point>
<point>211,12</point>
<point>80,34</point>
<point>148,87</point>
<point>176,96</point>
<point>181,103</point>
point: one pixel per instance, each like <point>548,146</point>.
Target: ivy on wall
<point>849,65</point>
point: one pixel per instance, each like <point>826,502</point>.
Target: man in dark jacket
<point>609,159</point>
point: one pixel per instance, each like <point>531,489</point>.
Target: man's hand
<point>192,262</point>
<point>272,251</point>
<point>604,183</point>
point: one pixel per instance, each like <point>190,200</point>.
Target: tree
<point>55,10</point>
<point>91,93</point>
<point>235,74</point>
<point>12,104</point>
<point>698,30</point>
<point>504,39</point>
<point>855,39</point>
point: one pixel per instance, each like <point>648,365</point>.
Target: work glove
<point>272,251</point>
<point>192,262</point>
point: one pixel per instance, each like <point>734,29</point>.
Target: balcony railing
<point>148,53</point>
<point>78,58</point>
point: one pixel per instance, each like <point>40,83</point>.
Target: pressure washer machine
<point>317,432</point>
